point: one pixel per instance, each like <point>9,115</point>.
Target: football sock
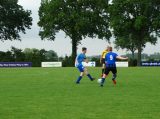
<point>114,76</point>
<point>89,76</point>
<point>78,80</point>
<point>114,81</point>
<point>103,79</point>
<point>102,71</point>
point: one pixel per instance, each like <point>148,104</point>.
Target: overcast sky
<point>62,44</point>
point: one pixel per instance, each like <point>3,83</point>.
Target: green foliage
<point>97,60</point>
<point>51,55</point>
<point>28,55</point>
<point>124,42</point>
<point>6,56</point>
<point>13,19</point>
<point>37,56</point>
<point>132,62</point>
<point>67,61</point>
<point>81,18</point>
<point>137,18</point>
<point>33,55</point>
<point>155,56</point>
<point>77,18</point>
<point>17,54</point>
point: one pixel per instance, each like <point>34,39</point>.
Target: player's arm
<point>85,59</point>
<point>122,58</point>
<point>101,57</point>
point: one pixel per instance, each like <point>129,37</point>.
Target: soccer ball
<point>99,80</point>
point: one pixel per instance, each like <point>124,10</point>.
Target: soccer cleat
<point>101,85</point>
<point>93,79</point>
<point>114,81</point>
<point>77,82</point>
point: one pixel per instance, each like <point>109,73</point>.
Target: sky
<point>62,44</point>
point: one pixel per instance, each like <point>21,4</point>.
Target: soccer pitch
<point>51,93</point>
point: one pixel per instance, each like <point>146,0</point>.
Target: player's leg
<point>103,66</point>
<point>80,77</point>
<point>87,73</point>
<point>114,72</point>
<point>103,69</point>
<point>81,69</point>
<point>105,74</point>
<point>103,79</point>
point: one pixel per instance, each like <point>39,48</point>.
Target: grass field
<point>51,93</point>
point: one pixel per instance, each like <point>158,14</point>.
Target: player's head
<point>110,49</point>
<point>107,48</point>
<point>84,49</point>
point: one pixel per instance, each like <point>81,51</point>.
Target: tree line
<point>33,55</point>
<point>132,23</point>
<point>37,56</point>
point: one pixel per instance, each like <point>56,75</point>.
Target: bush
<point>97,60</point>
<point>67,61</point>
<point>133,62</point>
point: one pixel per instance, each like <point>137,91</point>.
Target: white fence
<point>51,64</point>
<point>89,64</point>
<point>122,64</point>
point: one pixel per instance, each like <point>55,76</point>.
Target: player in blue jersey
<point>78,63</point>
<point>110,60</point>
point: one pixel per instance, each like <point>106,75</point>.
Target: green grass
<point>51,93</point>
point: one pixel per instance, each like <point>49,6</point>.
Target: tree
<point>128,44</point>
<point>77,18</point>
<point>51,56</point>
<point>28,54</point>
<point>2,54</point>
<point>137,17</point>
<point>13,20</point>
<point>8,57</point>
<point>18,54</point>
<point>33,55</point>
<point>67,61</point>
<point>37,56</point>
<point>42,55</point>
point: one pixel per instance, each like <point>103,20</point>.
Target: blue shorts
<point>81,68</point>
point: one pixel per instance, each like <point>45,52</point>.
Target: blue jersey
<point>110,59</point>
<point>79,59</point>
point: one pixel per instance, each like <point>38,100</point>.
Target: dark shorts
<point>112,69</point>
<point>103,61</point>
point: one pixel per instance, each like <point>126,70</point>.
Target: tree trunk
<point>74,50</point>
<point>139,54</point>
<point>141,38</point>
<point>132,54</point>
